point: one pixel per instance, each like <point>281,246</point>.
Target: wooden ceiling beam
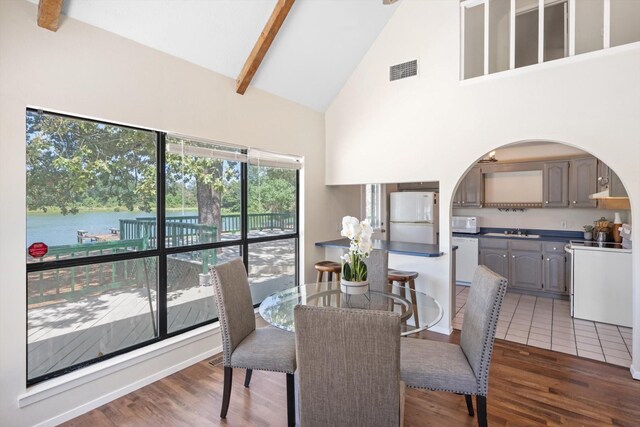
<point>261,47</point>
<point>49,14</point>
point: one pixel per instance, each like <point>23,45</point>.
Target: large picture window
<point>123,225</point>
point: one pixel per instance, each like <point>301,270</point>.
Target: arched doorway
<point>543,194</point>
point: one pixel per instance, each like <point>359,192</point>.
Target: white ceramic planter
<point>354,288</point>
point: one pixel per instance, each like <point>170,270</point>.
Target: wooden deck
<point>75,332</point>
<point>69,333</point>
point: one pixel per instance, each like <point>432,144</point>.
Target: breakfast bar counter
<point>427,260</point>
<point>401,248</point>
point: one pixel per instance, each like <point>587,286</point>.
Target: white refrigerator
<point>414,217</point>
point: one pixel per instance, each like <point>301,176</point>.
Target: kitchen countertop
<point>545,235</point>
<point>401,248</point>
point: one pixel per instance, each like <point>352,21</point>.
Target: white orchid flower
<point>367,230</point>
<point>365,246</point>
<point>350,227</point>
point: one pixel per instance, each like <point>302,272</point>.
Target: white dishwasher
<point>466,258</point>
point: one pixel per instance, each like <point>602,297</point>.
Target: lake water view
<point>58,229</point>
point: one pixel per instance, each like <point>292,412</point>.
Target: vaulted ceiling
<point>316,50</point>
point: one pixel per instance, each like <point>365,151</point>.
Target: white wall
<point>434,127</point>
<point>86,71</point>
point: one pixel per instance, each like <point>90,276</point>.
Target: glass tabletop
<point>418,311</point>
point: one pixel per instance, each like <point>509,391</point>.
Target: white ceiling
<point>318,47</point>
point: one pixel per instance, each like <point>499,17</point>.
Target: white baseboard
<point>38,395</point>
<point>634,373</point>
<point>441,330</point>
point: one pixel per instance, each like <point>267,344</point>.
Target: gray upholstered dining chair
<point>244,346</point>
<point>377,266</point>
<point>348,367</point>
<point>464,368</point>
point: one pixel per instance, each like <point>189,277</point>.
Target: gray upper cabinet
<point>470,193</point>
<point>583,182</point>
<point>556,184</point>
<point>608,178</point>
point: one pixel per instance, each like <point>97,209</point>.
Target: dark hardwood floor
<point>527,386</point>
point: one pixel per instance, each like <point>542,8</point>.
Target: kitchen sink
<point>521,236</point>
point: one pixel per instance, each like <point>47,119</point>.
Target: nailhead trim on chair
<point>258,368</point>
<point>226,340</point>
<point>222,316</point>
<point>489,338</point>
<point>448,390</point>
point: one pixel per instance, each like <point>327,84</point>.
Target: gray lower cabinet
<point>495,260</point>
<point>528,265</point>
<point>583,181</point>
<point>555,273</point>
<point>525,269</point>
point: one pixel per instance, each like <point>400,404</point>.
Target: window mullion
<point>244,212</point>
<point>161,300</point>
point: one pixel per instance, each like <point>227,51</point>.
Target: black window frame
<point>160,252</point>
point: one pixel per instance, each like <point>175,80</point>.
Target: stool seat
<point>401,276</point>
<point>328,266</point>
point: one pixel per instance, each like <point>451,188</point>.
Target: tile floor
<point>547,323</point>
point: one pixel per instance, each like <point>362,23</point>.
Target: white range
<point>601,282</point>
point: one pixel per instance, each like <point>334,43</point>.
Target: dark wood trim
<point>268,34</point>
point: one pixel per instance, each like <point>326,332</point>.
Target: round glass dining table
<point>418,311</point>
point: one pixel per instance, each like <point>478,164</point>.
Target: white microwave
<point>464,224</point>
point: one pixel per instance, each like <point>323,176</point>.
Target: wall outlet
<point>563,224</point>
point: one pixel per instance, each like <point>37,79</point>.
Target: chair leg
<point>226,394</point>
<point>291,401</point>
<point>247,377</point>
<point>467,398</point>
<point>414,301</point>
<point>481,403</point>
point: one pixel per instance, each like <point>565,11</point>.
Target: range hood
<point>605,195</point>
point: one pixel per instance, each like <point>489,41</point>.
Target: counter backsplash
<point>542,219</point>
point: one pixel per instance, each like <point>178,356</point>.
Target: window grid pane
<point>94,293</point>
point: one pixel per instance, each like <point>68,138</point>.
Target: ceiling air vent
<point>404,70</point>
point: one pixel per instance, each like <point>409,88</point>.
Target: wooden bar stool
<point>404,279</point>
<point>330,268</point>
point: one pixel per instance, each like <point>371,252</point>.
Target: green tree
<point>73,163</point>
<point>271,189</point>
<point>206,177</point>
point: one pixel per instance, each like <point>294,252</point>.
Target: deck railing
<point>136,235</point>
<point>231,223</point>
<point>74,282</point>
